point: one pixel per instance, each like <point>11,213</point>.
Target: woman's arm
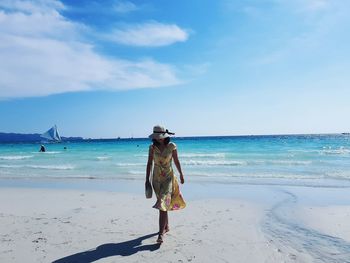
<point>178,166</point>
<point>149,163</point>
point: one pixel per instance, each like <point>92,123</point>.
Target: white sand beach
<point>331,220</point>
<point>57,225</point>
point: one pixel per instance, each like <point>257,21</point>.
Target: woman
<point>165,185</point>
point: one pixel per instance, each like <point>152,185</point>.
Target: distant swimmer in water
<point>42,148</point>
<point>65,148</point>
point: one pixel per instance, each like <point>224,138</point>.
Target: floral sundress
<point>165,184</point>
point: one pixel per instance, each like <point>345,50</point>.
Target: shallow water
<point>305,160</point>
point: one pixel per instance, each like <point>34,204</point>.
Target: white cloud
<point>125,7</point>
<point>37,24</point>
<point>38,6</point>
<point>151,34</point>
<point>41,54</point>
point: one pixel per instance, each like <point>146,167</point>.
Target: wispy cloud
<point>42,53</point>
<point>319,24</point>
<point>317,4</point>
<point>31,6</point>
<point>125,7</point>
<point>307,5</point>
<point>197,69</point>
<point>110,9</point>
<point>150,34</point>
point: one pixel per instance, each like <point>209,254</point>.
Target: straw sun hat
<point>159,132</point>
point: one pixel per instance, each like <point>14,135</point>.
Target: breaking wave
<point>16,157</point>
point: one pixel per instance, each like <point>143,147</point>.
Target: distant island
<point>34,137</point>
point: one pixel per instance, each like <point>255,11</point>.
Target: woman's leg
<point>163,218</point>
<point>163,215</point>
<point>166,228</point>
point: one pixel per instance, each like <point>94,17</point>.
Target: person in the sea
<point>165,184</point>
<point>42,148</point>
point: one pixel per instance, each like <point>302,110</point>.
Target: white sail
<point>52,134</point>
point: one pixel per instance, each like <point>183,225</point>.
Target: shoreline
<point>251,223</point>
<point>107,183</point>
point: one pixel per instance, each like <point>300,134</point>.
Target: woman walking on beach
<point>165,185</point>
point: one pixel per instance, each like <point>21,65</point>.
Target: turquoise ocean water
<point>306,160</point>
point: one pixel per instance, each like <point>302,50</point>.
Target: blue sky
<point>112,68</point>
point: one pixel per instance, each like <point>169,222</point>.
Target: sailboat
<point>52,135</point>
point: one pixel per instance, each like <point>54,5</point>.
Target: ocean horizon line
<point>79,138</point>
<point>227,136</point>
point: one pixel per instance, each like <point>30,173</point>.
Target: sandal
<point>160,239</point>
<point>167,229</point>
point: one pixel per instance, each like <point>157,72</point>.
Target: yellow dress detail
<point>165,184</point>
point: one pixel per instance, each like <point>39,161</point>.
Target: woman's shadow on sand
<point>126,248</point>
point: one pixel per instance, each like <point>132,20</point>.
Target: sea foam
<point>16,157</point>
